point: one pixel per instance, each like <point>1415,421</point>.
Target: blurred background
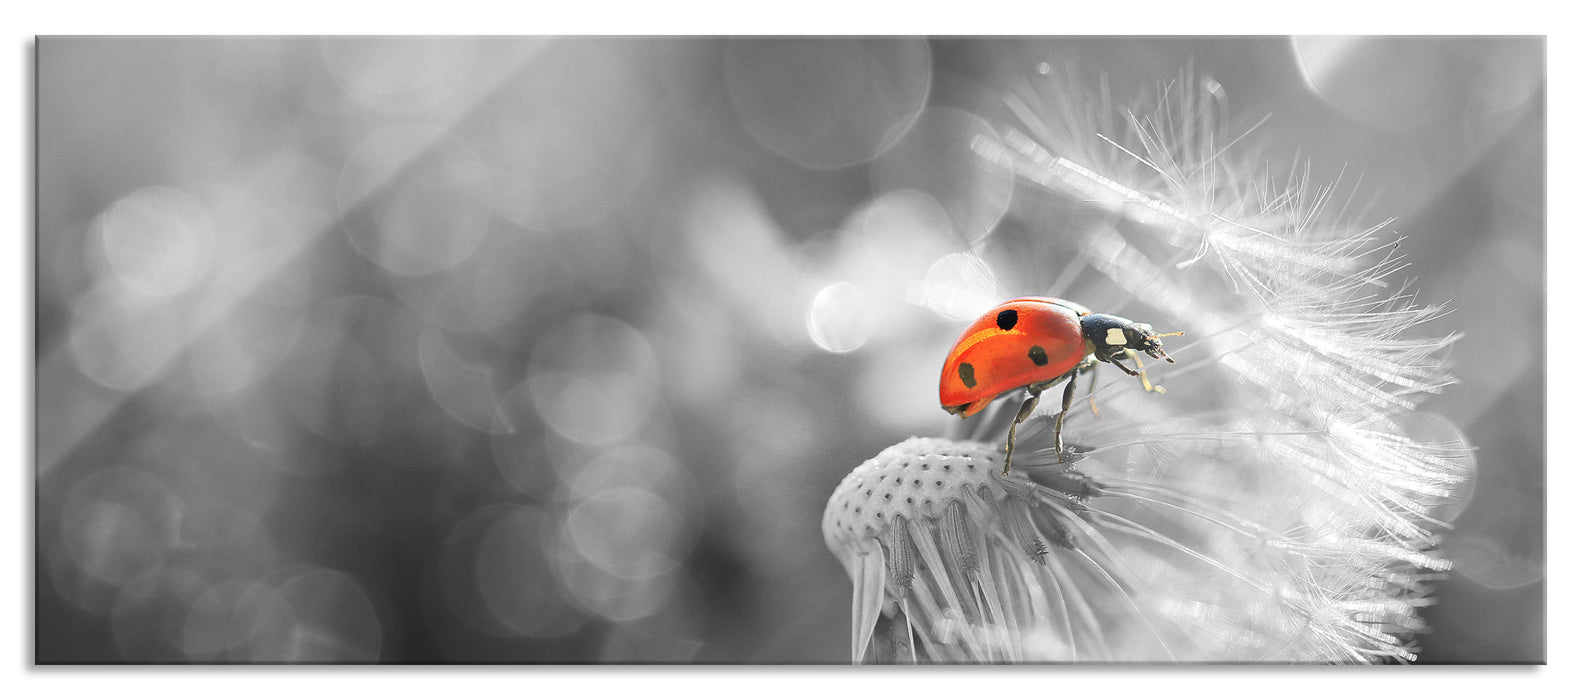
<point>552,350</point>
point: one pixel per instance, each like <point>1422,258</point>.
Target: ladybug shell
<point>1020,342</point>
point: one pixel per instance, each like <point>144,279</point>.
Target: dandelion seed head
<point>915,480</point>
<point>1281,503</point>
<point>933,535</point>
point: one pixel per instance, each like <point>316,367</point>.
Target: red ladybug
<point>1032,343</point>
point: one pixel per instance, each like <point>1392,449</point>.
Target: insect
<point>1032,343</point>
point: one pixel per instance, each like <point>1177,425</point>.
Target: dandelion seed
<point>1270,508</point>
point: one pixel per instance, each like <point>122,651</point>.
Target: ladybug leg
<point>1027,410</point>
<point>1093,387</point>
<point>1143,373</point>
<point>1010,438</point>
<point>1117,362</point>
<point>1060,420</point>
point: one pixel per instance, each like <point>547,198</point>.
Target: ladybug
<point>1032,343</point>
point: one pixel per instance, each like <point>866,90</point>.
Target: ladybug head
<point>1109,335</point>
<point>1148,341</point>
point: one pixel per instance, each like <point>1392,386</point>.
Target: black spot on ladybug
<point>1006,320</point>
<point>1038,356</point>
<point>966,375</point>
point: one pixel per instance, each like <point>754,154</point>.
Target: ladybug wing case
<point>1020,342</point>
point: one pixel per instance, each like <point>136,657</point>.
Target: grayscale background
<point>552,350</point>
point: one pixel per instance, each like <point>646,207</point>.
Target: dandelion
<point>1273,506</point>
